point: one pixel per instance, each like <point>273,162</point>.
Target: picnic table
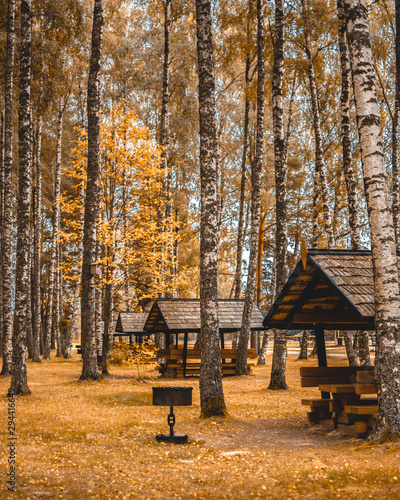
<point>343,404</point>
<point>179,362</point>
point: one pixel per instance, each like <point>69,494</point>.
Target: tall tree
<point>246,122</point>
<point>386,278</point>
<point>241,361</point>
<point>19,380</point>
<point>89,368</point>
<point>278,369</point>
<point>37,229</point>
<point>6,253</point>
<point>211,391</point>
<point>395,135</point>
<point>320,168</point>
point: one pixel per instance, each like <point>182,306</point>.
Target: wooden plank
<point>338,388</point>
<point>314,403</point>
<point>365,377</point>
<point>327,371</point>
<point>317,381</point>
<point>361,410</point>
<point>365,389</point>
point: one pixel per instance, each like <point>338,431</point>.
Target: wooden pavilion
<point>332,290</point>
<point>131,324</point>
<point>328,290</point>
<point>174,317</point>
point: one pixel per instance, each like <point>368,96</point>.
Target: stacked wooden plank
<point>174,363</point>
<point>346,409</point>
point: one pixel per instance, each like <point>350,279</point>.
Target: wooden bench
<point>173,361</point>
<point>344,409</point>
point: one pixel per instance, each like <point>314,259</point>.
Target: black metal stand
<point>171,437</point>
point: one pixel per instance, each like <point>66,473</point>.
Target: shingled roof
<point>183,315</point>
<point>130,322</point>
<point>332,289</point>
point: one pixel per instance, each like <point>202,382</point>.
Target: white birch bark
<point>241,360</point>
<point>19,381</point>
<point>386,279</point>
<point>6,253</point>
<point>211,391</point>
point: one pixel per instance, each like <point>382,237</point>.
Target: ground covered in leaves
<point>97,440</point>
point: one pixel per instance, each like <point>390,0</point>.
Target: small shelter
<point>173,317</point>
<point>131,324</point>
<point>328,290</point>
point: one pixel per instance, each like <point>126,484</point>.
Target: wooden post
<point>321,353</point>
<point>185,344</point>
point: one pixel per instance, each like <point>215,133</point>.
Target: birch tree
<point>19,380</point>
<point>211,390</point>
<point>89,369</point>
<point>386,279</point>
<point>278,369</point>
<point>6,254</point>
<point>241,361</point>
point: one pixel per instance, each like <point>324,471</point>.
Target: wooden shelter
<point>131,324</point>
<point>173,317</point>
<point>328,290</point>
<point>332,290</point>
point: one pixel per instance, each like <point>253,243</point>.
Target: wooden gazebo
<point>173,317</point>
<point>332,290</point>
<point>328,290</point>
<point>131,324</point>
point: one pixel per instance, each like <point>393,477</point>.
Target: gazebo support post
<point>185,345</point>
<point>321,353</point>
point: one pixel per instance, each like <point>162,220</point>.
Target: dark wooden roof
<point>183,315</point>
<point>332,289</point>
<point>130,322</point>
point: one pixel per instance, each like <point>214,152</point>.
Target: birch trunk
<point>395,135</point>
<point>264,348</point>
<point>37,224</point>
<point>351,353</point>
<point>211,390</point>
<point>6,253</point>
<point>304,345</point>
<point>386,287</point>
<point>55,254</point>
<point>278,369</point>
<point>1,227</point>
<point>241,232</point>
<point>89,368</point>
<point>363,348</point>
<point>346,138</point>
<point>320,168</point>
<point>241,360</point>
<point>19,380</point>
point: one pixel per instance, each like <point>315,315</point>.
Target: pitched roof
<point>180,315</point>
<point>130,322</point>
<point>333,290</point>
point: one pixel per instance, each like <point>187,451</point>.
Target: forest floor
<point>80,440</point>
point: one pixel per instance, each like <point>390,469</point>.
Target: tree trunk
<point>304,345</point>
<point>264,348</point>
<point>351,353</point>
<point>55,254</point>
<point>89,357</point>
<point>278,369</point>
<point>346,138</point>
<point>363,348</point>
<point>211,391</point>
<point>386,279</point>
<point>241,361</point>
<point>241,232</point>
<point>37,224</point>
<point>395,135</point>
<point>320,168</point>
<point>1,227</point>
<point>261,234</point>
<point>19,380</point>
<point>6,249</point>
<point>107,326</point>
